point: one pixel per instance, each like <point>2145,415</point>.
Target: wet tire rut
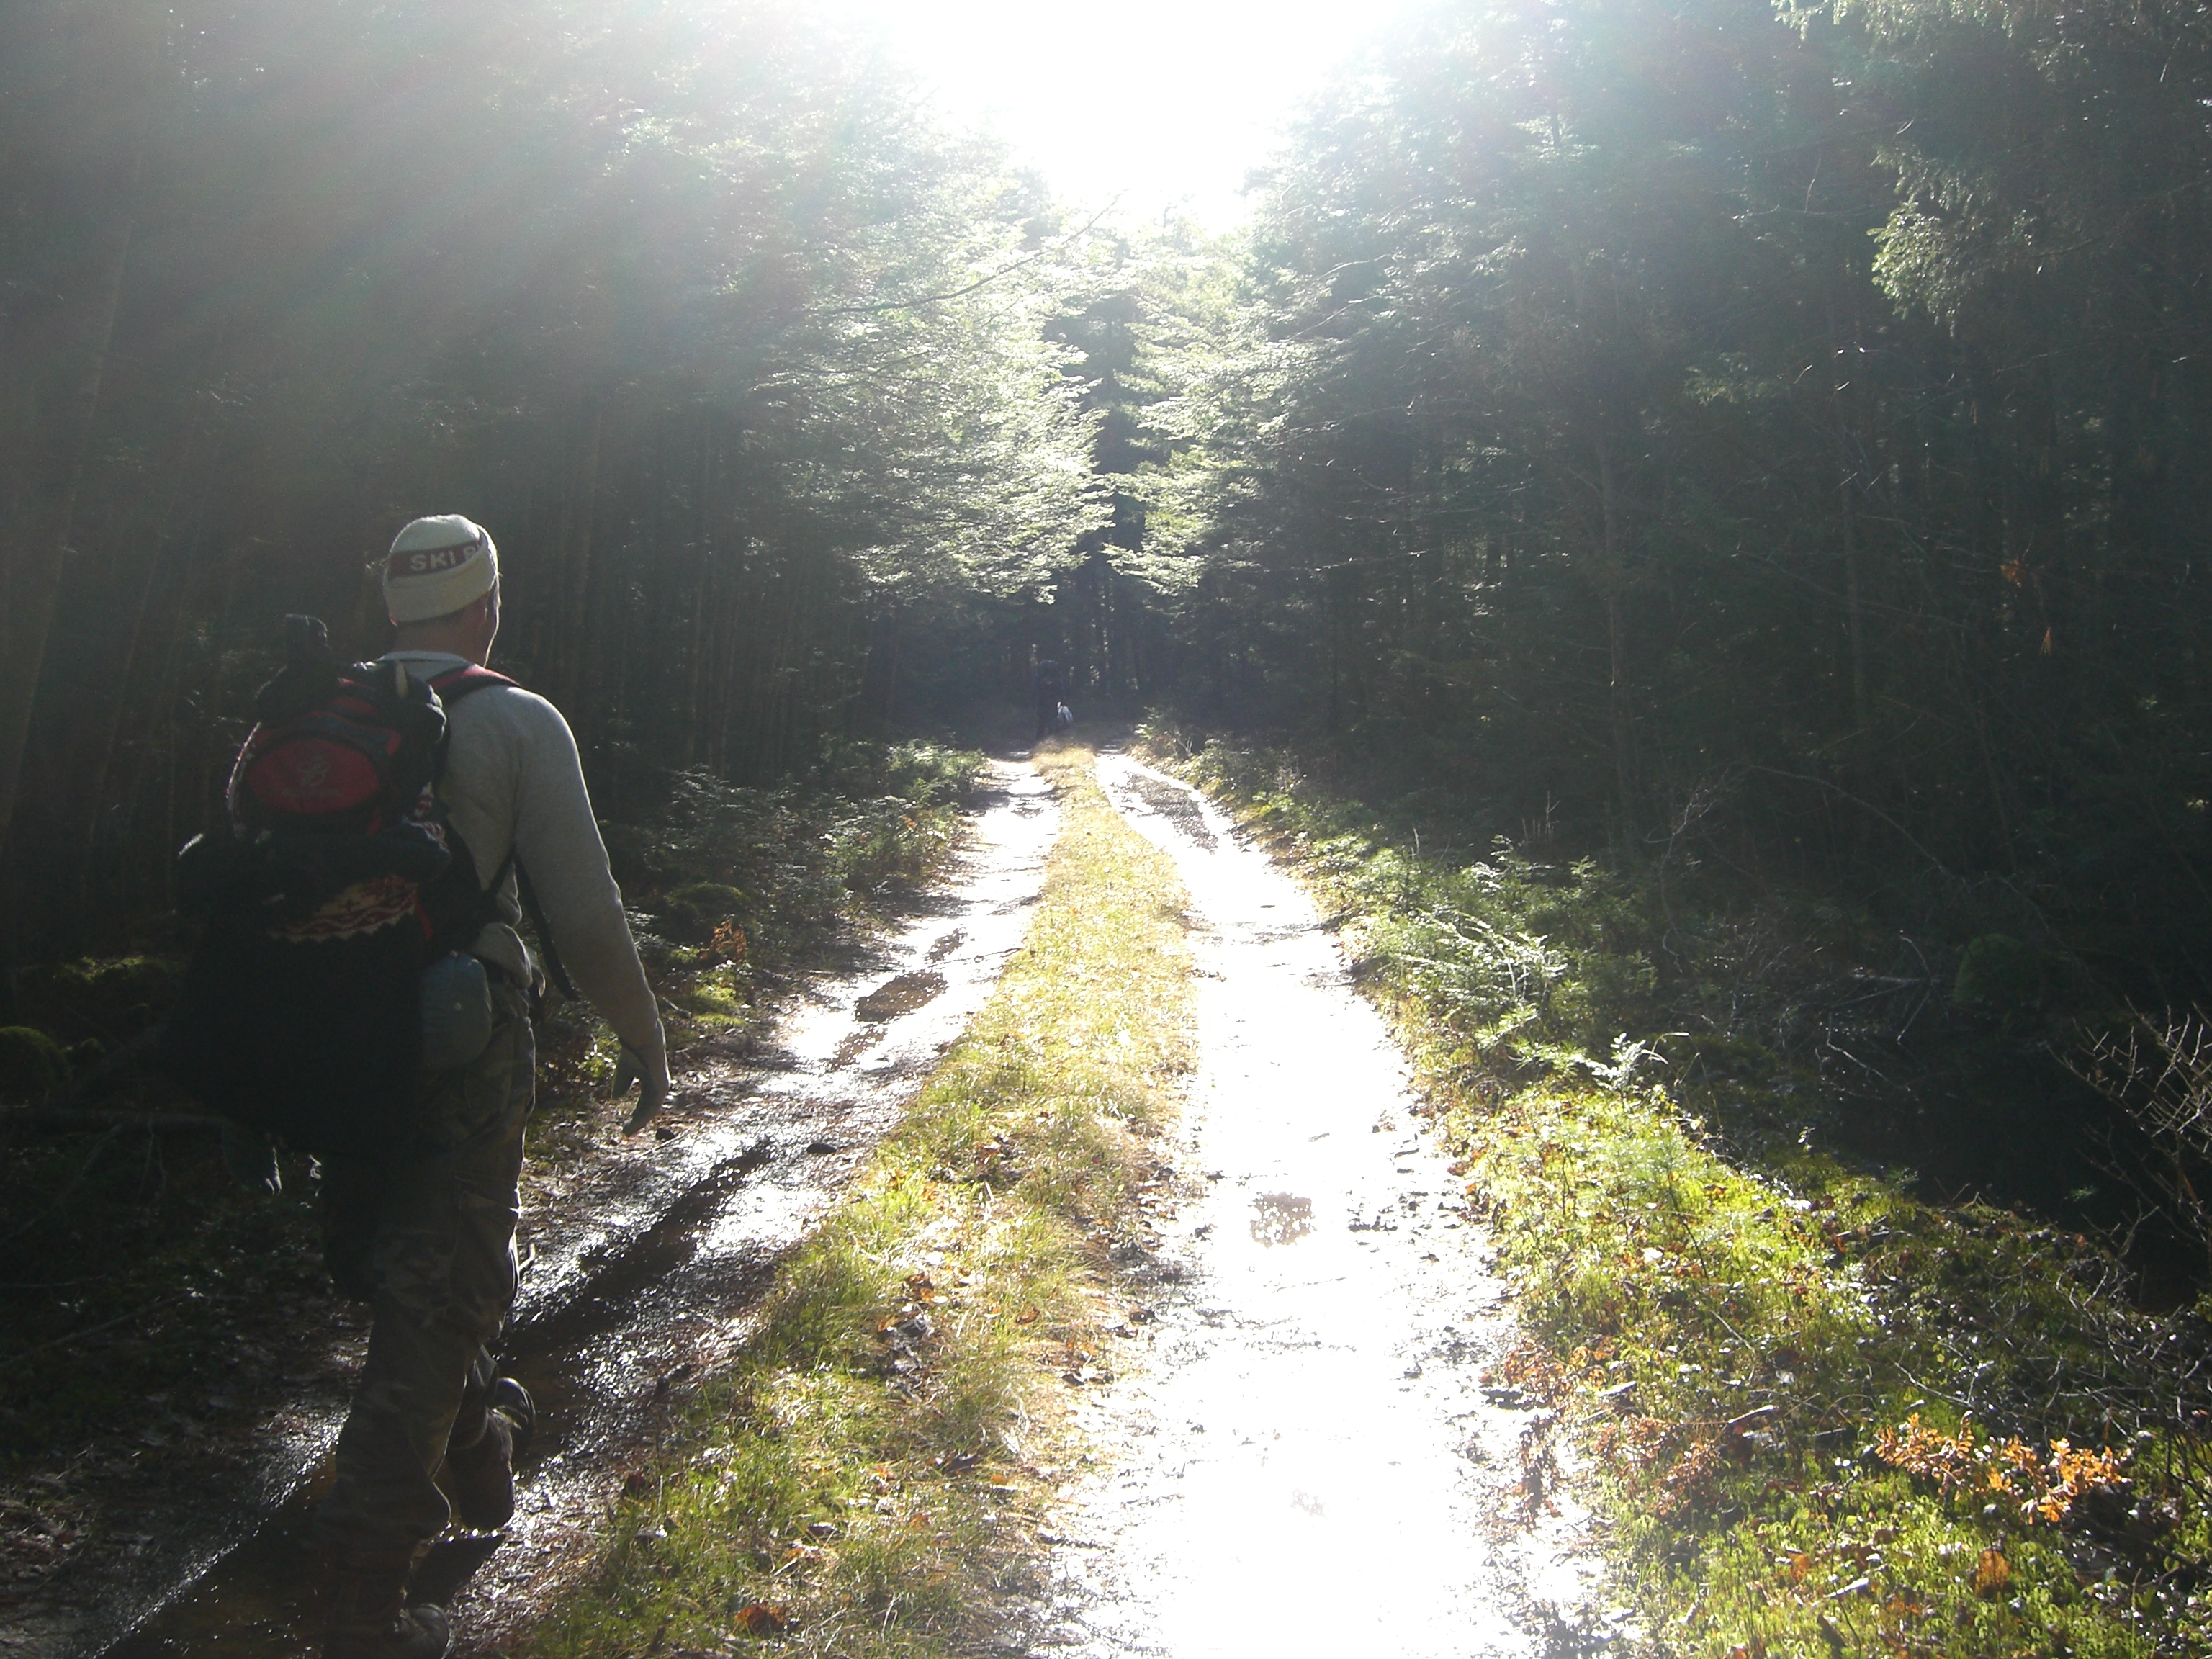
<point>1304,1457</point>
<point>644,1276</point>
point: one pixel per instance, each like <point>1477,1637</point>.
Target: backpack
<point>339,881</point>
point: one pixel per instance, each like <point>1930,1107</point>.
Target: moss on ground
<point>1825,1417</point>
<point>870,1477</point>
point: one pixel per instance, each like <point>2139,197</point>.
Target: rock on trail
<point>1307,1460</point>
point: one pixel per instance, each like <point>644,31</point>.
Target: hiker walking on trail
<point>419,1192</point>
<point>1048,691</point>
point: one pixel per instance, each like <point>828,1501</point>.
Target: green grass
<point>869,1477</point>
<point>141,1242</point>
<point>1822,1418</point>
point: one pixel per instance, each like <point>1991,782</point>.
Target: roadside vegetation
<point>1822,1414</point>
<point>871,1478</point>
<point>733,892</point>
<point>156,1306</point>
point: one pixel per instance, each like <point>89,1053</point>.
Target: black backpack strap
<point>458,683</point>
<point>548,952</point>
<point>451,687</point>
<point>546,948</point>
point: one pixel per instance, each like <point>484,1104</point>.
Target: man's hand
<point>652,1078</point>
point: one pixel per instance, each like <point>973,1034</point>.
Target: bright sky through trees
<point>1158,101</point>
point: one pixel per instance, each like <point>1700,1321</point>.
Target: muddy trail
<point>1314,1453</point>
<point>639,1277</point>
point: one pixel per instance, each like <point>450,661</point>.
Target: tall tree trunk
<point>101,728</point>
<point>703,542</point>
<point>1854,609</point>
<point>572,600</point>
<point>891,679</point>
<point>70,370</point>
<point>1619,707</point>
<point>1846,481</point>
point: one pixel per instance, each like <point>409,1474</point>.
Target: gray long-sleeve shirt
<point>513,780</point>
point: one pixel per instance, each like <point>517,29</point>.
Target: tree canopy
<point>1790,423</point>
<point>744,356</point>
<point>1617,414</point>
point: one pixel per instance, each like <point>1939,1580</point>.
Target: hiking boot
<point>481,1473</point>
<point>513,1401</point>
<point>366,1611</point>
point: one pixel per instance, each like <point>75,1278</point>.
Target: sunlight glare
<point>1161,103</point>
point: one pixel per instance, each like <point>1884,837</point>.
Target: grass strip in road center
<point>869,1478</point>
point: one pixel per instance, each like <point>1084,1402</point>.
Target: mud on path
<point>642,1273</point>
<point>1307,1459</point>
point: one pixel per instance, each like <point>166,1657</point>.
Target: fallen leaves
<point>1531,1370</point>
<point>902,1334</point>
<point>1076,1367</point>
<point>2043,1485</point>
<point>1693,1480</point>
<point>763,1619</point>
<point>35,1540</point>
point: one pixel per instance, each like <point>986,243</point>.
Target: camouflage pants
<point>430,1243</point>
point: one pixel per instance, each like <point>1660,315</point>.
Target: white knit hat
<point>437,565</point>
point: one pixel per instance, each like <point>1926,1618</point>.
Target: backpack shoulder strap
<point>451,687</point>
<point>556,969</point>
<point>458,683</point>
<point>549,954</point>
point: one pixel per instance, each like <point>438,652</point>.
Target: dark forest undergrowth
<point>154,1307</point>
<point>1826,1409</point>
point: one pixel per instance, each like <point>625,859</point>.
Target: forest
<point>1759,444</point>
<point>1747,460</point>
<point>1652,423</point>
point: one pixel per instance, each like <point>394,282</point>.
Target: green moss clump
<point>697,906</point>
<point>718,996</point>
<point>32,1064</point>
<point>111,999</point>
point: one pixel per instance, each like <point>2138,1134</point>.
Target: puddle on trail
<point>645,1273</point>
<point>901,994</point>
<point>1281,1218</point>
<point>1308,1462</point>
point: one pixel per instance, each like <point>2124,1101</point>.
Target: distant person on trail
<point>1048,691</point>
<point>428,1238</point>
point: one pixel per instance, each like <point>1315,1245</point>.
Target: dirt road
<point>1308,1460</point>
<point>1307,1455</point>
<point>755,1148</point>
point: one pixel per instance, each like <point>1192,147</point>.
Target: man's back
<point>513,781</point>
<point>428,1239</point>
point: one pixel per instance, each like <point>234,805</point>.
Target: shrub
<point>32,1064</point>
